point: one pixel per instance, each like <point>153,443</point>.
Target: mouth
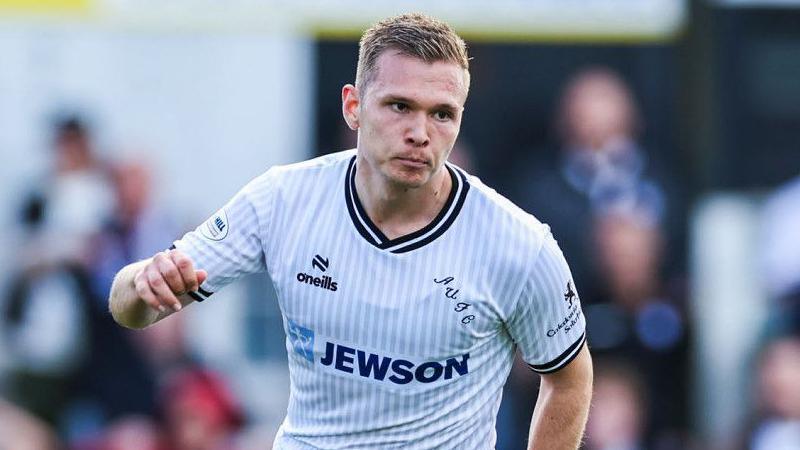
<point>411,161</point>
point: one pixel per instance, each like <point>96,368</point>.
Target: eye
<point>399,107</point>
<point>443,115</point>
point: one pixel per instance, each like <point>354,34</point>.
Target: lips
<point>412,161</point>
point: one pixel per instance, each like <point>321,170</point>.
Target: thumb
<point>201,276</point>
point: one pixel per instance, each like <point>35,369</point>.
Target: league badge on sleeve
<point>216,228</point>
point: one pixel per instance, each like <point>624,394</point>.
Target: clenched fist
<point>168,275</point>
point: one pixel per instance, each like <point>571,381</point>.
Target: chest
<point>429,304</point>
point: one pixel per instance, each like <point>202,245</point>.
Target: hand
<point>167,275</point>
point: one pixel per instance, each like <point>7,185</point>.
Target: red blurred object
<point>203,392</point>
<point>200,412</point>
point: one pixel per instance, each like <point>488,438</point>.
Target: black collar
<point>417,239</point>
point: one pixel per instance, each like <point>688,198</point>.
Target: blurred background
<point>660,139</point>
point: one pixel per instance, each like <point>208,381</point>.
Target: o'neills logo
<point>325,282</point>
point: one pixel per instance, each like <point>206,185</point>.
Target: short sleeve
<point>547,323</point>
<point>229,244</point>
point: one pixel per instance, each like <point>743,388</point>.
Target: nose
<point>417,131</point>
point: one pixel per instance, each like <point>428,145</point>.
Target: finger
<point>162,291</point>
<point>144,292</point>
<point>170,273</point>
<point>202,275</point>
<point>185,270</point>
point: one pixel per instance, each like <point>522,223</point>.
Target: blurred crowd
<point>618,215</point>
<point>76,380</point>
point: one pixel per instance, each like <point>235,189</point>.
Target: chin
<point>409,180</point>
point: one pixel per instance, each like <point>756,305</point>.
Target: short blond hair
<point>415,35</point>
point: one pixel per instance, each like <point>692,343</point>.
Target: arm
<point>563,406</point>
<point>147,291</point>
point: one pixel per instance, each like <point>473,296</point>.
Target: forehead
<point>437,82</point>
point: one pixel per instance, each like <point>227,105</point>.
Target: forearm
<point>562,409</point>
<point>127,308</point>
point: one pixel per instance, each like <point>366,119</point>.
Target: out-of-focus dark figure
<point>599,167</point>
<point>635,318</point>
<point>45,311</point>
<point>777,422</point>
<point>71,366</point>
<point>73,202</point>
<point>780,256</point>
<point>617,420</point>
<point>606,204</point>
<point>138,229</point>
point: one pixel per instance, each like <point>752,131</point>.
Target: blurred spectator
<point>619,409</point>
<point>72,204</point>
<point>634,318</point>
<point>44,322</point>
<point>71,365</point>
<point>48,291</point>
<point>631,318</point>
<point>605,207</point>
<point>778,424</point>
<point>138,229</point>
<point>780,255</point>
<point>599,168</point>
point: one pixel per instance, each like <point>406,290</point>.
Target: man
<point>404,283</point>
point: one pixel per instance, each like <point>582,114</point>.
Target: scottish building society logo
<point>216,227</point>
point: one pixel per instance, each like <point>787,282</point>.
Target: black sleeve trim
<point>205,292</point>
<point>196,296</point>
<point>201,293</point>
<point>562,359</point>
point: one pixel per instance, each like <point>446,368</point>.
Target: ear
<point>350,105</point>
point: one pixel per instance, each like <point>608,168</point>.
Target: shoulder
<point>517,234</point>
<point>501,214</point>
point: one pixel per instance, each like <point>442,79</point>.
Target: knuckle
<point>155,279</point>
<point>183,262</point>
<point>171,272</point>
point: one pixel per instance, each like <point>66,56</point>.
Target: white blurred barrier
<point>728,310</point>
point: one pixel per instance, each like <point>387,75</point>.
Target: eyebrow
<point>438,107</point>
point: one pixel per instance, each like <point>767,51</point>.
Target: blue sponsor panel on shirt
<point>302,340</point>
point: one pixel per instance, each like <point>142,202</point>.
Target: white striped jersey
<point>394,343</point>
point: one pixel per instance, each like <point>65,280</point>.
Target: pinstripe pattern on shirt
<point>412,347</point>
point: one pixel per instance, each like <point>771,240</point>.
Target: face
<point>407,117</point>
<point>598,110</point>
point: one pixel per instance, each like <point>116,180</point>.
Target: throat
<point>400,211</point>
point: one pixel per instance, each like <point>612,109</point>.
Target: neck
<point>396,209</point>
